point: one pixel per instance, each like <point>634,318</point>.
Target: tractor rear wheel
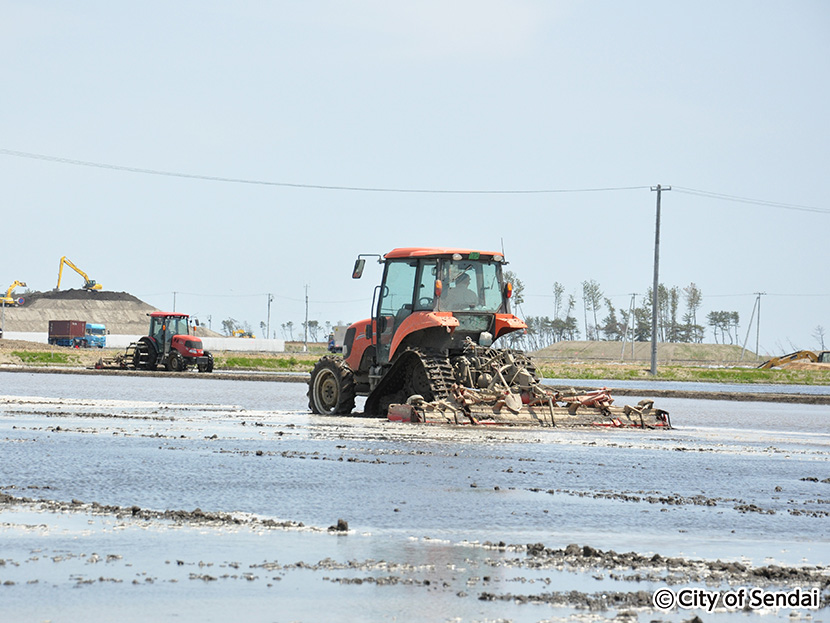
<point>331,389</point>
<point>145,355</point>
<point>137,357</point>
<point>207,367</point>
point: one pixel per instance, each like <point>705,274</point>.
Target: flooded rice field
<point>136,498</point>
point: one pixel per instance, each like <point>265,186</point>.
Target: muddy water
<point>745,482</point>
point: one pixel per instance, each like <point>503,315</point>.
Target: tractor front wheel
<point>331,389</point>
<point>175,361</point>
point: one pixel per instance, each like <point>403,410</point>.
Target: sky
<point>264,122</point>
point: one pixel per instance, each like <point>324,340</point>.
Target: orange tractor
<point>431,308</point>
<point>426,354</point>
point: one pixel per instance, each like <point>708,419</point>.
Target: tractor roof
<point>160,314</point>
<point>434,252</point>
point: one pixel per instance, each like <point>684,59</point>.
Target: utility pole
<point>268,324</point>
<point>748,329</point>
<point>757,305</point>
<point>656,284</point>
<point>758,324</point>
<point>305,326</point>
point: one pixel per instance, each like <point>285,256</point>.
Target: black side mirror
<point>357,272</point>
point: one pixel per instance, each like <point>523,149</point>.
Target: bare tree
<point>229,325</point>
<point>592,297</point>
<point>692,332</point>
<point>518,287</point>
<point>613,328</point>
<point>818,333</point>
<point>313,329</point>
<point>723,322</point>
<point>558,294</point>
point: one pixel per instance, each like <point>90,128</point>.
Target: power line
<point>765,294</point>
<point>377,189</point>
<point>760,202</point>
<point>234,180</point>
<point>240,296</point>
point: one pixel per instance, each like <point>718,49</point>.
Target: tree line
<point>590,313</point>
<point>317,331</point>
<point>586,313</point>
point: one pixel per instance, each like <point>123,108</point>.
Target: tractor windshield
<point>177,326</point>
<point>436,284</point>
<point>163,328</point>
<point>470,285</point>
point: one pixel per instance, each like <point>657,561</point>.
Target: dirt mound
<point>81,295</point>
<point>121,312</point>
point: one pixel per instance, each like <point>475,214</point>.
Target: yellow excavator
<point>89,284</point>
<point>8,300</point>
<point>822,357</point>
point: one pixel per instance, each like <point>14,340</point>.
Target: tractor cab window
<point>398,283</point>
<point>177,326</point>
<point>395,301</point>
<point>164,328</point>
<point>157,329</point>
<point>470,285</point>
<point>425,294</point>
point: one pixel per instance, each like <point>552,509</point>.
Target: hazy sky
<point>724,97</point>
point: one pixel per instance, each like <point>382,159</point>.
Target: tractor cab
<point>439,299</point>
<point>164,326</point>
<point>435,316</point>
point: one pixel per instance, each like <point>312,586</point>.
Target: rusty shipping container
<point>67,328</point>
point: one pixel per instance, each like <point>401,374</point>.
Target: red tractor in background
<point>170,344</point>
<point>434,318</point>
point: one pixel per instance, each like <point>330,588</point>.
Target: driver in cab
<point>460,297</point>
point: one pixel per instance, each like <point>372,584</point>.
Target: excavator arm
<point>88,283</point>
<point>777,361</point>
<point>8,300</point>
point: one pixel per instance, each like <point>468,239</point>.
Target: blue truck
<point>77,334</point>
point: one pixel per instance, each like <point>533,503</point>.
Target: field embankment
<point>668,353</point>
<point>712,363</point>
<point>569,360</point>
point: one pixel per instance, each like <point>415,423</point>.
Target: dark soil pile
<point>121,312</point>
<point>81,295</point>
